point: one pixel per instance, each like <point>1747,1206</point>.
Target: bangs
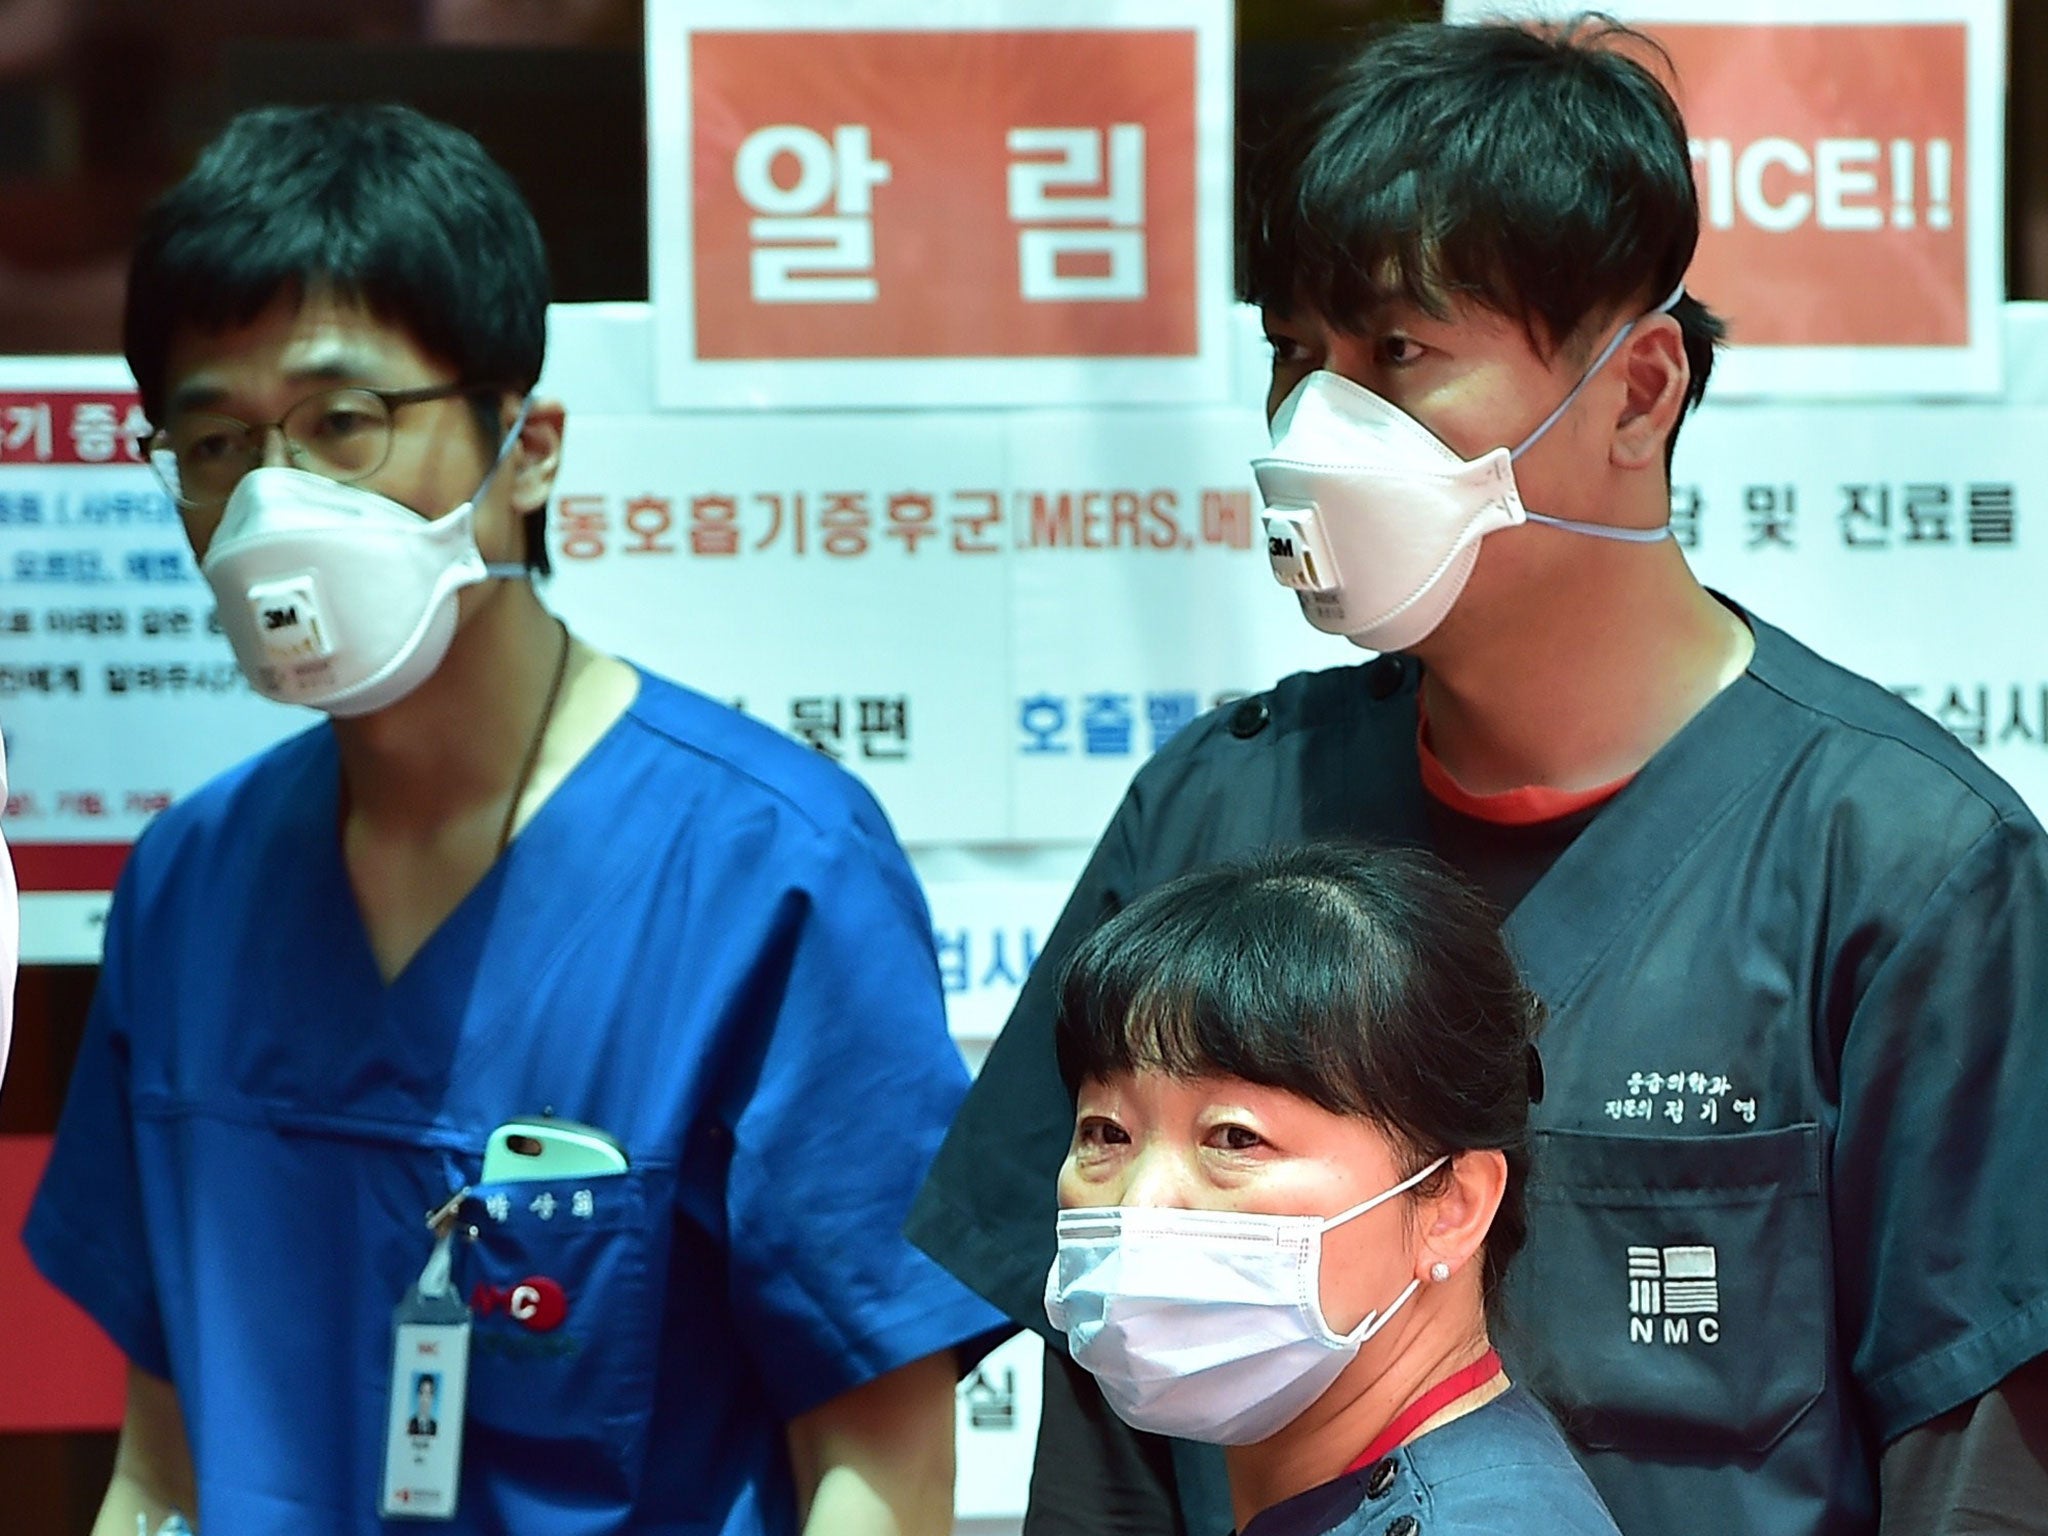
<point>1214,986</point>
<point>222,276</point>
<point>1345,252</point>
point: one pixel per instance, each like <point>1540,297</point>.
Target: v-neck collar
<point>468,922</point>
<point>1600,884</point>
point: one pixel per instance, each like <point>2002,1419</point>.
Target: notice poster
<point>1909,543</point>
<point>118,693</point>
<point>921,202</point>
<point>1849,156</point>
<point>993,617</point>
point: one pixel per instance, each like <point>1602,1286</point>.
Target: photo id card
<point>429,1375</point>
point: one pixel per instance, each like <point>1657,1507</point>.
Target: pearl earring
<point>1439,1271</point>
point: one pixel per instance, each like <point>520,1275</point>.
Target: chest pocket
<point>566,1322</point>
<point>1672,1296</point>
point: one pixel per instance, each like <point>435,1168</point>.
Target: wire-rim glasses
<point>342,433</point>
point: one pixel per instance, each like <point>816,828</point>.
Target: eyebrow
<point>338,368</point>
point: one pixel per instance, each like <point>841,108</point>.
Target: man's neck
<point>436,785</point>
<point>1326,1439</point>
<point>457,742</point>
<point>1582,684</point>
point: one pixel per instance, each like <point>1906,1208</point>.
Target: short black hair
<point>1542,173</point>
<point>1370,981</point>
<point>376,203</point>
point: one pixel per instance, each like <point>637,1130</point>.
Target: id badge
<point>429,1381</point>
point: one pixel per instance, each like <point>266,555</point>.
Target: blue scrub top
<point>708,944</point>
<point>1500,1470</point>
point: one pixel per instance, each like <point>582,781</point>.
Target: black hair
<point>376,203</point>
<point>1372,982</point>
<point>1544,174</point>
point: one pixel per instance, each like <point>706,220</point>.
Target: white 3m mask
<point>339,598</point>
<point>1375,524</point>
<point>1205,1325</point>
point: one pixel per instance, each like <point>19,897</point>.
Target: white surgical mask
<point>1205,1325</point>
<point>1375,524</point>
<point>339,598</point>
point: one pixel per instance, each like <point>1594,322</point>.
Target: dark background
<point>103,103</point>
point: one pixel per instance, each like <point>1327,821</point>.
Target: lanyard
<point>1425,1407</point>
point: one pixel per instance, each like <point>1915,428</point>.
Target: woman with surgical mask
<point>1300,1146</point>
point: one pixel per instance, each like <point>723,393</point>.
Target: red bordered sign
<point>922,203</point>
<point>1850,162</point>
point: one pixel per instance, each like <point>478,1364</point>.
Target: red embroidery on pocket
<point>536,1303</point>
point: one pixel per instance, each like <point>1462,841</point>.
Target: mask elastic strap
<point>1401,1188</point>
<point>504,447</point>
<point>503,570</point>
<point>1602,531</point>
<point>1587,377</point>
<point>1373,1322</point>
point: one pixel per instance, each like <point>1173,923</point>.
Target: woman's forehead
<point>1152,1081</point>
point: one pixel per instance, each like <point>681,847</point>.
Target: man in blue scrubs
<point>1787,1268</point>
<point>510,879</point>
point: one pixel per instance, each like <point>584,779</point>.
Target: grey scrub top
<point>1501,1470</point>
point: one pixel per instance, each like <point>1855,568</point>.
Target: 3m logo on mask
<point>1674,1295</point>
<point>1294,551</point>
<point>287,616</point>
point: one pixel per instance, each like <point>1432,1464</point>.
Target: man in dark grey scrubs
<point>1787,1272</point>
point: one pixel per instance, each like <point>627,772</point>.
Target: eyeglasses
<point>344,434</point>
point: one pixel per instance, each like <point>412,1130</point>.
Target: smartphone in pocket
<point>544,1148</point>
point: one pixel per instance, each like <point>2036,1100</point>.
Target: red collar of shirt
<point>1427,1407</point>
<point>1527,806</point>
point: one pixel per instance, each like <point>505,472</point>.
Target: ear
<point>536,458</point>
<point>1654,379</point>
<point>1455,1223</point>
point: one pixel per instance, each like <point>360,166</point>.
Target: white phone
<point>550,1149</point>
